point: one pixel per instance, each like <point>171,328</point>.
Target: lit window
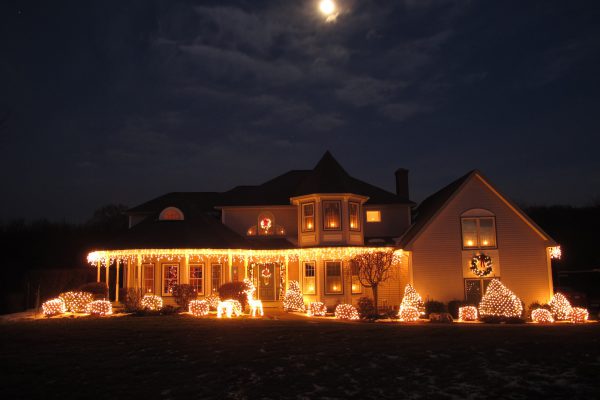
<point>170,278</point>
<point>308,217</point>
<point>474,289</point>
<point>373,216</point>
<point>333,277</point>
<point>171,214</point>
<point>309,284</point>
<point>148,270</point>
<point>332,215</point>
<point>356,286</point>
<point>215,271</point>
<point>197,278</point>
<point>354,216</point>
<point>478,232</point>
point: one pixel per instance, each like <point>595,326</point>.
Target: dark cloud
<point>124,100</point>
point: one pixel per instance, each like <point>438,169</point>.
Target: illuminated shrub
<point>77,302</point>
<point>541,315</point>
<point>100,308</point>
<point>579,315</point>
<point>412,299</point>
<point>152,302</point>
<point>198,308</point>
<point>346,311</point>
<point>467,313</point>
<point>54,307</point>
<point>133,299</point>
<point>560,307</point>
<point>433,306</point>
<point>213,302</point>
<point>499,302</point>
<point>293,300</point>
<point>408,314</point>
<point>316,309</point>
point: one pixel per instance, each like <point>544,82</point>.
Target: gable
<point>469,192</point>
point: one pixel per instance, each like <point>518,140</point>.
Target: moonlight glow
<point>327,7</point>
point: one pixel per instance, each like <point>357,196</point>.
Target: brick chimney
<point>402,183</point>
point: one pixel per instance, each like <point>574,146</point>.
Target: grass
<point>180,356</point>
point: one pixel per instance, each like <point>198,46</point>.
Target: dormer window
<point>332,215</point>
<point>354,216</point>
<point>373,216</point>
<point>171,214</point>
<point>265,226</point>
<point>308,217</point>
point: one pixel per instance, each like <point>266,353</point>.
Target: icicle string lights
<point>237,255</point>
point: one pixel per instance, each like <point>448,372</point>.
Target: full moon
<point>327,7</point>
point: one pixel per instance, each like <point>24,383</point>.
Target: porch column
<point>98,269</point>
<point>117,281</point>
<point>185,273</point>
<point>287,272</point>
<point>127,274</point>
<point>139,271</point>
<point>230,261</point>
<point>245,267</point>
<point>107,277</point>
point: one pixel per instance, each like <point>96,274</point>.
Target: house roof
<point>202,231</point>
<point>435,203</point>
<point>328,176</point>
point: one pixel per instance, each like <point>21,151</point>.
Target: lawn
<point>182,357</point>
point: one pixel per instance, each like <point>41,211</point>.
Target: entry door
<point>268,278</point>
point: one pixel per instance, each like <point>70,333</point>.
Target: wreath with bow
<point>481,265</point>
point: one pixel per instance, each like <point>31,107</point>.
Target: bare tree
<point>374,269</point>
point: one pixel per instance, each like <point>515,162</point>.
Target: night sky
<point>122,101</point>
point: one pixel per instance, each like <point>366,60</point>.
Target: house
<point>307,225</point>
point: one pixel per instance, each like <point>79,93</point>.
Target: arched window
<point>265,226</point>
<point>171,214</point>
<point>478,229</point>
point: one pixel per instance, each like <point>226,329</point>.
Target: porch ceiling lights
<point>238,255</point>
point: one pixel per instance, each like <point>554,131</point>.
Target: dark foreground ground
<point>182,357</point>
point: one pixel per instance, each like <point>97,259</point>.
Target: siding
<point>439,263</point>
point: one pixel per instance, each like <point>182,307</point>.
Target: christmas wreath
<point>266,223</point>
<point>481,265</point>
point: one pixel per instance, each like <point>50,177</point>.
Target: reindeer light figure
<point>255,305</point>
<point>229,308</point>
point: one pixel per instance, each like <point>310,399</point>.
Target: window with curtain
<point>333,277</point>
<point>478,232</point>
<point>308,217</point>
<point>197,277</point>
<point>354,216</point>
<point>332,215</point>
<point>309,279</point>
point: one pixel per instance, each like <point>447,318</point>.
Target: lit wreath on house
<point>481,265</point>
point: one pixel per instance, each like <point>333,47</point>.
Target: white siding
<point>439,261</point>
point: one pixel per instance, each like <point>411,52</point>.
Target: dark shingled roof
<point>328,176</point>
<point>430,206</point>
<point>199,232</point>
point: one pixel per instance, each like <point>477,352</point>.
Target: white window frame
<point>305,217</point>
<point>163,278</point>
<point>358,227</point>
<point>304,278</point>
<point>212,277</point>
<point>355,281</point>
<point>144,278</point>
<point>200,289</point>
<point>478,244</point>
<point>341,276</point>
